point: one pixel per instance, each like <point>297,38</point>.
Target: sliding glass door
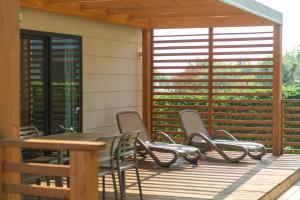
<point>51,82</point>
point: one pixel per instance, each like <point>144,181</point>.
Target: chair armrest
<point>228,135</point>
<point>168,138</point>
<point>197,134</point>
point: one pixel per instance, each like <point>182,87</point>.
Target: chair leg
<point>120,184</point>
<point>103,187</point>
<point>139,182</point>
<point>124,183</point>
<point>115,185</point>
<point>48,180</point>
<point>68,182</point>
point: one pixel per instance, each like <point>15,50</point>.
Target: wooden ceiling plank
<point>144,3</point>
<point>171,11</point>
<point>73,9</point>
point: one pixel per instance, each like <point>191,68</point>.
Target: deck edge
<point>282,187</point>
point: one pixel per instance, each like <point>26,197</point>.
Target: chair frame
<point>148,149</point>
<point>109,170</point>
<point>127,148</point>
<point>210,142</point>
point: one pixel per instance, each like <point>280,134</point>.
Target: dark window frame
<point>32,34</point>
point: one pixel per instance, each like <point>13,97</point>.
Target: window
<point>51,81</point>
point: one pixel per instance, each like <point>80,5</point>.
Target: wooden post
<point>84,175</point>
<point>210,80</point>
<point>277,92</point>
<point>147,79</point>
<point>10,88</point>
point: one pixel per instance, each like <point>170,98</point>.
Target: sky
<point>291,18</point>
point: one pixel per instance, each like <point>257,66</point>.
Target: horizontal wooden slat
<point>258,101</point>
<point>242,107</point>
<point>241,135</point>
<point>241,59</point>
<point>166,119</point>
<point>181,47</point>
<point>41,191</point>
<point>243,39</point>
<point>291,100</point>
<point>225,114</point>
<point>38,168</point>
<point>180,87</point>
<point>167,125</point>
<point>181,100</point>
<point>175,113</point>
<point>183,35</point>
<point>181,74</point>
<point>226,121</point>
<point>243,52</point>
<point>292,108</point>
<point>291,116</point>
<point>180,67</point>
<point>293,144</point>
<point>297,137</point>
<point>180,93</point>
<point>292,122</point>
<point>242,66</point>
<point>291,130</point>
<point>180,80</point>
<point>180,41</point>
<point>53,144</point>
<point>243,80</point>
<point>245,33</point>
<point>181,61</point>
<point>243,87</point>
<point>242,73</point>
<point>243,128</point>
<point>243,46</point>
<point>182,54</point>
<point>244,94</point>
<point>181,107</point>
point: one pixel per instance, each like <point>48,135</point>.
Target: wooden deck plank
<point>213,178</point>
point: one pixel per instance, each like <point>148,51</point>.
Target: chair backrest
<point>29,132</point>
<point>126,146</point>
<point>107,153</point>
<point>192,122</point>
<point>131,121</point>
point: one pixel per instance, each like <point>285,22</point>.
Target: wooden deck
<point>213,178</point>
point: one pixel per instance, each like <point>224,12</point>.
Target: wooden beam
<point>147,78</point>
<point>10,88</point>
<point>277,92</point>
<point>217,21</point>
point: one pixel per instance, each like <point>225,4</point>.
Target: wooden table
<point>104,137</point>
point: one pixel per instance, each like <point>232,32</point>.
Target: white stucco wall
<point>112,79</point>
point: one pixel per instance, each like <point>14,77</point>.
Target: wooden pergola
<point>144,14</point>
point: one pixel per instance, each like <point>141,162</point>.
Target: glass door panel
<point>65,84</point>
<point>33,82</point>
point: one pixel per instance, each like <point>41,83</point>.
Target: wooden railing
<point>291,125</point>
<point>82,170</point>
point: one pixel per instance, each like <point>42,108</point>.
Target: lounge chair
<point>131,121</point>
<point>197,135</point>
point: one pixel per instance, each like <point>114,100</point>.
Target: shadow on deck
<point>214,178</point>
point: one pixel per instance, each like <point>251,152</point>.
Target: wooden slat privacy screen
<point>291,125</point>
<point>224,73</point>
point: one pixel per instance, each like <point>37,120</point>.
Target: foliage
<point>291,66</point>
